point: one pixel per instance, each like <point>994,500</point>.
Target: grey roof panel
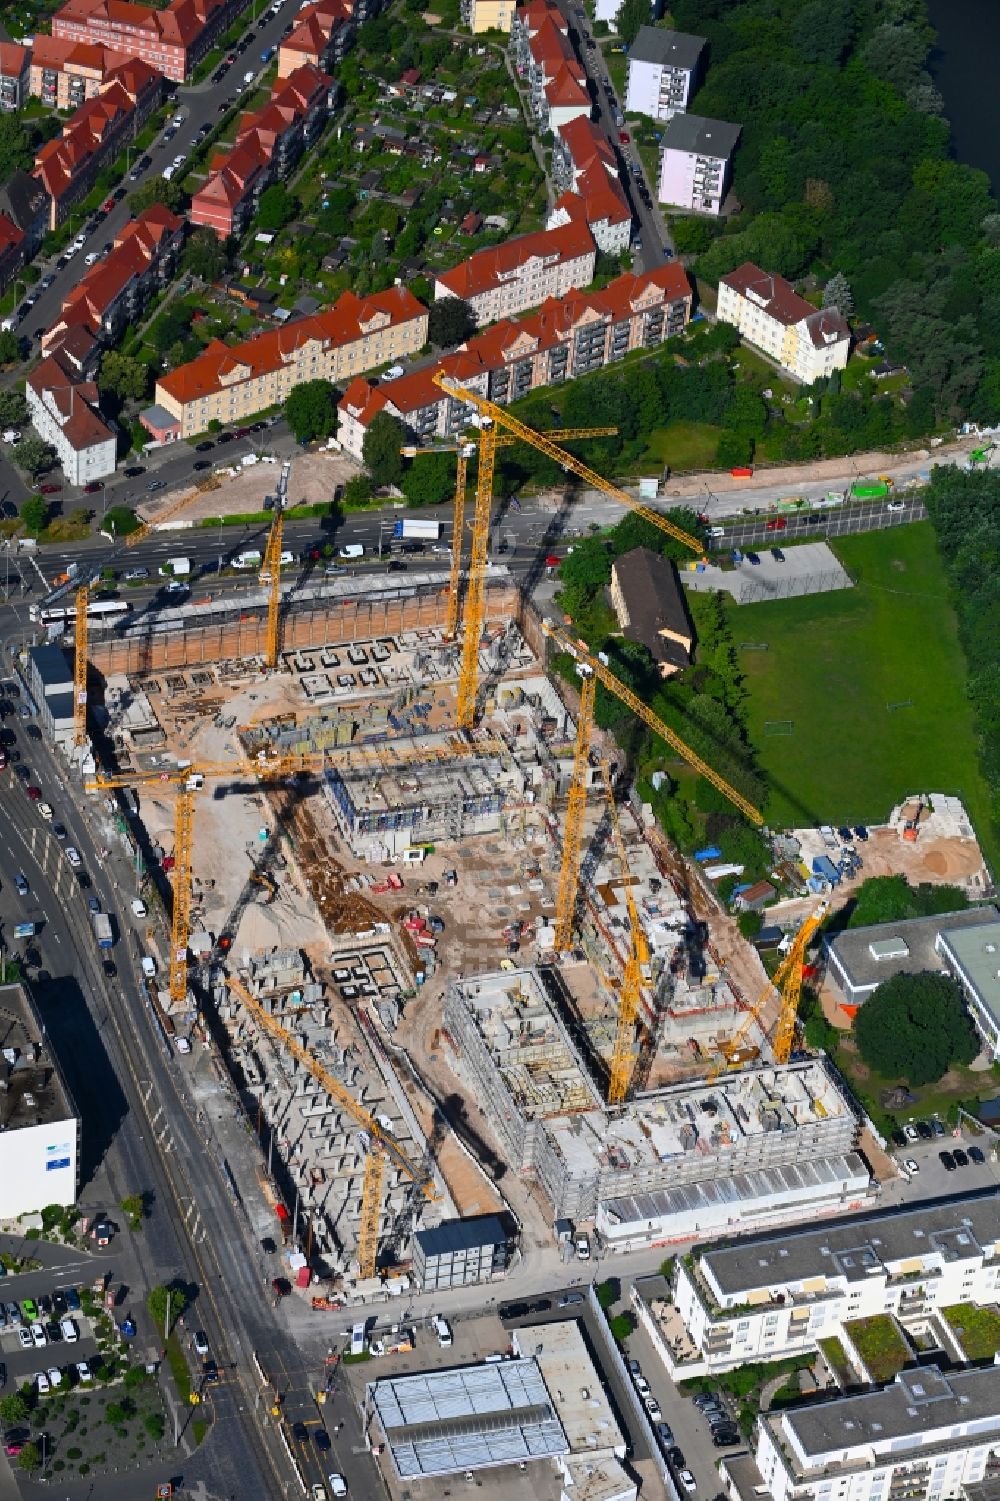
<point>674,49</point>
<point>694,133</point>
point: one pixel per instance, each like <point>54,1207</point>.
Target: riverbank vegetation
<point>843,168</point>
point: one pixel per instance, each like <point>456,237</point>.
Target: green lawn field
<point>834,664</point>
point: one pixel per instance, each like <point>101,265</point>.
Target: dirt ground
<point>314,478</point>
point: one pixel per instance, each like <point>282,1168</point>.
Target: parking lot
<point>933,1180</point>
<point>44,1328</point>
<point>776,574</point>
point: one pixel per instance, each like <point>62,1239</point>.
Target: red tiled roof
<point>10,236</point>
<point>537,12</point>
<point>13,59</point>
<point>73,400</point>
<point>59,162</point>
<point>777,296</point>
<point>135,249</point>
<point>587,144</point>
<point>58,53</point>
<point>179,25</point>
<point>346,322</point>
<point>488,268</point>
<point>567,88</point>
<point>549,44</point>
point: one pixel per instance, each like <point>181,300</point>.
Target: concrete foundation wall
<point>245,636</point>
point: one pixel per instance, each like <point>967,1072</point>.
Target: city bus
<point>108,610</point>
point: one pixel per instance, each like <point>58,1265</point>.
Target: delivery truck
<point>409,530</point>
<point>102,929</point>
<point>176,568</point>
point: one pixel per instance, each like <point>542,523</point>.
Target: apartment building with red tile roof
<point>68,166</point>
<point>521,273</point>
<point>810,342</point>
<point>567,337</point>
<point>230,382</point>
<point>269,142</point>
<point>171,40</point>
<point>15,72</point>
<point>544,57</point>
<point>64,74</point>
<point>585,175</point>
<point>114,291</point>
<point>322,34</point>
<point>64,412</point>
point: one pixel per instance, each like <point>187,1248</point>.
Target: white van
<point>248,560</point>
<point>442,1329</point>
<point>351,550</point>
<point>69,1331</point>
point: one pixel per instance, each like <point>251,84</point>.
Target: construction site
<point>449,965</point>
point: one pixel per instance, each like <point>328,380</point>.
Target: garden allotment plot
<point>859,697</point>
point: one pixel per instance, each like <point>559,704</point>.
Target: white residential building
<point>64,412</point>
<point>39,1142</point>
<point>519,274</point>
<point>696,163</point>
<point>662,72</point>
<point>766,1297</point>
<point>921,1439</point>
<point>810,343</point>
<point>971,956</point>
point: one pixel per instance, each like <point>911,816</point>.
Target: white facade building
<point>923,1438</point>
<point>662,72</point>
<point>971,956</point>
<point>695,163</point>
<point>810,343</point>
<point>766,1297</point>
<point>64,412</point>
<point>39,1129</point>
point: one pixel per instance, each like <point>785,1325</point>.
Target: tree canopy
<point>158,190</point>
<point>881,899</point>
<point>380,449</point>
<point>914,1027</point>
<point>449,322</point>
<point>311,409</point>
<point>278,207</point>
<point>843,166</point>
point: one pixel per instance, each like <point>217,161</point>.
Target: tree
<point>13,1409</point>
<point>30,1458</point>
<point>837,293</point>
<point>311,409</point>
<point>34,514</point>
<point>153,1424</point>
<point>134,1208</point>
<point>449,322</point>
<point>733,451</point>
<point>13,409</point>
<point>357,492</point>
<point>123,376</point>
<point>631,15</point>
<point>429,479</point>
<point>823,32</point>
<point>34,455</point>
<point>157,190</point>
<point>174,1296</point>
<point>914,1027</point>
<point>380,449</point>
<point>205,257</point>
<point>882,899</point>
<point>278,207</point>
<point>10,348</point>
<point>16,153</point>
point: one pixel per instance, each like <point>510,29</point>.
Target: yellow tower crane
<point>381,1146</point>
<point>189,779</point>
<point>787,981</point>
<point>593,670</point>
<point>464,451</point>
<point>80,645</point>
<point>270,569</point>
<point>623,1057</point>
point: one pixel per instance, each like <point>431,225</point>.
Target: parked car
<point>976,1154</point>
<point>961,1160</point>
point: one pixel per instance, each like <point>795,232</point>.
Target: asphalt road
<point>104,1041</point>
<point>648,224</point>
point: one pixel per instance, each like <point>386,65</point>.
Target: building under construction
<point>516,1051</point>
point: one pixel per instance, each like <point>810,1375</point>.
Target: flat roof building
<point>766,1297</point>
<point>469,1418</point>
<point>458,1252</point>
<point>971,955</point>
<point>39,1126</point>
<point>50,679</point>
<point>927,1435</point>
<point>547,1111</point>
<point>860,959</point>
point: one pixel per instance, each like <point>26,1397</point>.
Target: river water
<point>964,69</point>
